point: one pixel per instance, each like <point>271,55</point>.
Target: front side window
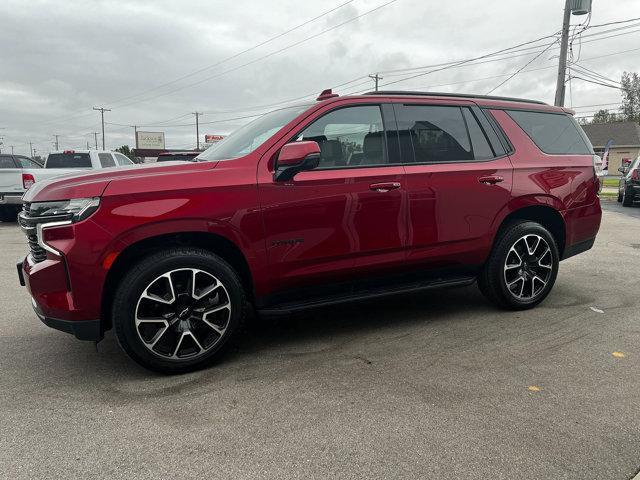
<point>249,137</point>
<point>106,160</point>
<point>553,133</point>
<point>349,137</point>
<point>122,160</point>
<point>27,162</point>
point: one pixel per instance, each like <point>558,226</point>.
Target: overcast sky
<point>60,58</point>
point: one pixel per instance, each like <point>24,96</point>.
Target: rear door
<point>346,216</point>
<point>458,178</point>
<point>10,175</point>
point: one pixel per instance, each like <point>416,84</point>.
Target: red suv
<point>345,199</point>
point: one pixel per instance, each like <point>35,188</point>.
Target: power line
<point>597,83</point>
<point>236,55</point>
<point>295,44</point>
<point>522,68</point>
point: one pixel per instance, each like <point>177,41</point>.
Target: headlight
<point>75,209</point>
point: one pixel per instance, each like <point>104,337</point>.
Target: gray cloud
<point>60,58</point>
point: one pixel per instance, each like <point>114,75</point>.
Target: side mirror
<point>622,170</point>
<point>296,157</point>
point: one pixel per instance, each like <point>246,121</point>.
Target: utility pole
<point>135,135</point>
<point>376,78</point>
<point>95,137</point>
<point>102,110</point>
<point>31,149</point>
<point>581,7</point>
<point>11,149</point>
<point>197,114</point>
<point>57,144</point>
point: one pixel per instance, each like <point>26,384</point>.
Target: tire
<point>619,197</point>
<point>179,310</point>
<point>627,200</point>
<point>538,272</point>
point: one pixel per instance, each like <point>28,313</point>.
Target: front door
<point>343,218</point>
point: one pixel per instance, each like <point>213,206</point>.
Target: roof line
<point>461,95</point>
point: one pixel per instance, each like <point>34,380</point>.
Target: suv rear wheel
<point>627,199</point>
<point>522,267</point>
<point>178,310</point>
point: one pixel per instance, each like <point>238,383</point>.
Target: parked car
<point>188,156</point>
<point>17,174</point>
<point>346,199</point>
<point>86,159</point>
<point>629,184</point>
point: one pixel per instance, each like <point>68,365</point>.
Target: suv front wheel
<point>178,310</point>
<point>522,267</point>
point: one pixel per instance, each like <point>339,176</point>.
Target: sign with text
<point>152,140</point>
<point>213,138</point>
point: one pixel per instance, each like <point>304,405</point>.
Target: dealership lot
<point>442,385</point>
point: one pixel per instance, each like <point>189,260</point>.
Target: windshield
<point>249,137</point>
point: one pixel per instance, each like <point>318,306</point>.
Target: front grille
<point>38,253</point>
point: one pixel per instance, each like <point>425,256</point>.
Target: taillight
<point>27,181</point>
<point>635,175</point>
<point>597,165</point>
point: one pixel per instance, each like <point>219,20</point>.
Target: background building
<point>626,141</point>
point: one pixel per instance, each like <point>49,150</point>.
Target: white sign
<point>150,140</point>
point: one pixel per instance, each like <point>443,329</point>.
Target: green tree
<point>125,150</point>
<point>631,96</point>
<point>605,116</point>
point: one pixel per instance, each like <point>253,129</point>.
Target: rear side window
<point>436,134</point>
<point>68,160</point>
<point>479,142</point>
<point>553,133</point>
<point>6,161</point>
<point>106,160</point>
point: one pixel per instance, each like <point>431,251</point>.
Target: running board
<point>364,294</point>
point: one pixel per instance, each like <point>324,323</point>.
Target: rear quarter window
<point>553,133</point>
<point>68,160</point>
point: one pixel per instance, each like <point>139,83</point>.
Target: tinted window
<point>6,162</point>
<point>106,160</point>
<point>122,159</point>
<point>553,133</point>
<point>479,142</point>
<point>27,162</point>
<point>348,137</point>
<point>68,160</point>
<point>436,134</point>
<point>171,158</point>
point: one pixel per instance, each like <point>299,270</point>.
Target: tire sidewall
<point>134,283</point>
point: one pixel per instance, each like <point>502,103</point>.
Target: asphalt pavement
<point>439,385</point>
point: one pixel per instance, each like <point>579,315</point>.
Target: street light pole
<point>197,114</point>
<point>57,144</point>
<point>102,110</point>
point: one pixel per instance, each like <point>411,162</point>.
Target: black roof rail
<point>460,95</point>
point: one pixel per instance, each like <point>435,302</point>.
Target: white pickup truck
<point>18,173</point>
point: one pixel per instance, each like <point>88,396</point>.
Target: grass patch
<point>611,182</point>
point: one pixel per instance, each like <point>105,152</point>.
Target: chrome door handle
<point>491,179</point>
<point>384,187</point>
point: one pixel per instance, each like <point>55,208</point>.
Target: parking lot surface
<point>440,385</point>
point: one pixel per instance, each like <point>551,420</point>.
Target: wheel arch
<point>213,242</point>
<point>546,214</point>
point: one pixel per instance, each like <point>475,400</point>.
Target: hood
<point>92,183</point>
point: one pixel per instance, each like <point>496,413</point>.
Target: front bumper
<point>90,330</point>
